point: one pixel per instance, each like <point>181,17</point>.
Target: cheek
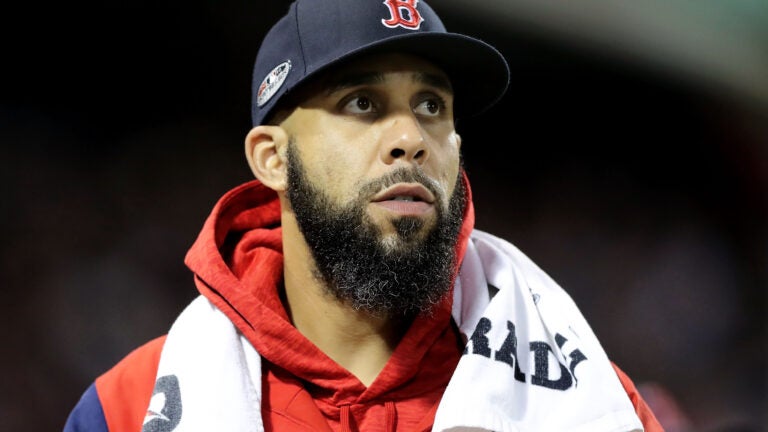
<point>349,161</point>
<point>448,160</point>
<point>337,172</point>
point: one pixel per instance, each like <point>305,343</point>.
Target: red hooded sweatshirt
<point>237,263</point>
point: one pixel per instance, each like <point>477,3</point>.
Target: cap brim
<point>479,74</point>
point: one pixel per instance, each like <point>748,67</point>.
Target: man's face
<point>370,118</point>
<point>373,169</point>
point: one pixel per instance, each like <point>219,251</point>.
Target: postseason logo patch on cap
<point>272,83</point>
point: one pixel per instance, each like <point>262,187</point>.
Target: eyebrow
<point>354,79</point>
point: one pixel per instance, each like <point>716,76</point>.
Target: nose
<point>403,140</point>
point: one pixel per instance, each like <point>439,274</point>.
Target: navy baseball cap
<point>317,34</point>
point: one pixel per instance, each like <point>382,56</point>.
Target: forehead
<point>375,68</point>
<point>372,69</point>
<point>369,69</point>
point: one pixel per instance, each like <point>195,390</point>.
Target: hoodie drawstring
<point>391,414</point>
<point>344,414</point>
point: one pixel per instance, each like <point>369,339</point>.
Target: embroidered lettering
<point>508,352</point>
<point>479,339</point>
<point>541,352</point>
<point>543,356</point>
<point>164,412</point>
<point>403,14</point>
<point>576,355</point>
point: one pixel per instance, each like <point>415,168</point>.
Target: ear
<point>265,150</point>
<point>458,140</point>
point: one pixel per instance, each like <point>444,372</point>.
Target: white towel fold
<point>563,382</point>
<point>209,376</point>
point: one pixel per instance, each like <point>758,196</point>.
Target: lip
<point>409,189</point>
<point>420,207</point>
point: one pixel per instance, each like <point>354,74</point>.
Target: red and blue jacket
<point>239,249</point>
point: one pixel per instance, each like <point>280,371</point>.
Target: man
<point>345,289</point>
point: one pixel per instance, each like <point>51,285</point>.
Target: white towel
<point>563,382</point>
<point>209,376</point>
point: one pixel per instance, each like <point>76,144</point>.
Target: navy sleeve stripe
<point>87,416</point>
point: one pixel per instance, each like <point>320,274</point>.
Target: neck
<point>359,341</point>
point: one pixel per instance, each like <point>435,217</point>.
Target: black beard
<point>385,278</point>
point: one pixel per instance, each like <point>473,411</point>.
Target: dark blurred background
<point>629,159</point>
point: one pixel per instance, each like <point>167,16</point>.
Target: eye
<point>359,105</point>
<point>431,107</point>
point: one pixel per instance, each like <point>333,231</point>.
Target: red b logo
<point>404,14</point>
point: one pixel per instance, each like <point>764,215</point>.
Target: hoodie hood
<point>238,265</point>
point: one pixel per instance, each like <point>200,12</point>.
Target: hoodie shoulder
<point>87,416</point>
<point>124,391</point>
<point>650,423</point>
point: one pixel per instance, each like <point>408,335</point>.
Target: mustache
<point>402,175</point>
